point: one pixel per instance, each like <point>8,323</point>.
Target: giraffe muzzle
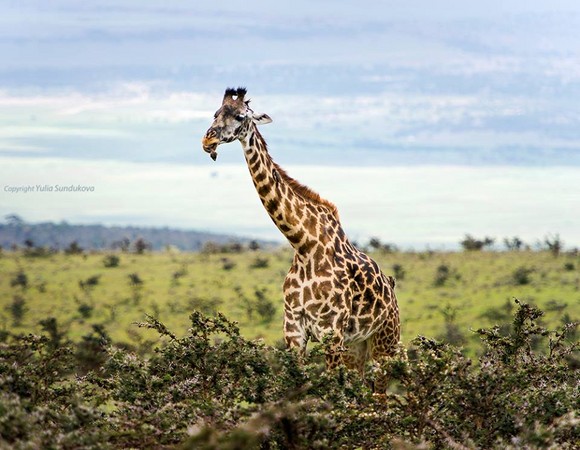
<point>210,143</point>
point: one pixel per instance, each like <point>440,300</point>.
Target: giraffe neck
<point>300,214</point>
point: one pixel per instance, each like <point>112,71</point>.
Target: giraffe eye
<point>240,117</point>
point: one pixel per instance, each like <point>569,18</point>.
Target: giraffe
<point>332,290</point>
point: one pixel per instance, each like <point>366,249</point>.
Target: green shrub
<point>521,275</point>
<point>453,334</point>
<point>398,272</point>
<point>136,285</point>
<point>20,280</point>
<point>85,309</point>
<point>178,275</point>
<point>17,310</point>
<point>265,307</point>
<point>227,264</point>
<point>516,394</point>
<point>443,274</point>
<point>260,263</point>
<point>213,389</point>
<point>88,284</point>
<point>110,261</point>
<point>569,266</point>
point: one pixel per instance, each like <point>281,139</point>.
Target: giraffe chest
<point>354,298</point>
<point>314,301</point>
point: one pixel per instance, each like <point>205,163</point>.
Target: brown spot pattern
<point>332,288</point>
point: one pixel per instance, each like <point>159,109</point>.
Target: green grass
<point>480,288</point>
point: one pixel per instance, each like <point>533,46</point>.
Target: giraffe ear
<point>261,119</point>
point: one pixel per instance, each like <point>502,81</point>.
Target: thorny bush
<point>213,389</point>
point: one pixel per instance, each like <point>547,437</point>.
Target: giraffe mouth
<point>210,145</point>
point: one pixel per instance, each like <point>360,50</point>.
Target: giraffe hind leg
<point>382,346</point>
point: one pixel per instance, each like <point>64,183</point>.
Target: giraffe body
<point>332,288</point>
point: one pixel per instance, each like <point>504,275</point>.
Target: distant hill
<point>98,237</point>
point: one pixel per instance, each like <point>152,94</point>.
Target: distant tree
<point>33,251</point>
<point>14,220</point>
<point>141,246</point>
<point>17,310</point>
<point>554,244</point>
<point>389,248</point>
<point>470,243</point>
<point>235,247</point>
<point>376,244</point>
<point>122,244</point>
<point>210,248</point>
<point>514,243</point>
<point>398,271</point>
<point>73,249</point>
<point>254,245</point>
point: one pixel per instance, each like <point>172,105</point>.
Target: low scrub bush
<point>20,279</point>
<point>522,275</point>
<point>17,309</point>
<point>260,263</point>
<point>399,272</point>
<point>213,389</point>
<point>444,274</point>
<point>111,261</point>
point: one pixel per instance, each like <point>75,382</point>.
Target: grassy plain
<point>440,294</point>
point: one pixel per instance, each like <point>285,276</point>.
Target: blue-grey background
<point>422,121</point>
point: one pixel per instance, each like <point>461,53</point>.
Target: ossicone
<point>237,95</point>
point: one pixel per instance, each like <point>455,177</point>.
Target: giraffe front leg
<point>334,331</point>
<point>294,336</point>
<point>335,351</point>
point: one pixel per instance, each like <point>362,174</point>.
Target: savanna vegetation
<point>141,349</point>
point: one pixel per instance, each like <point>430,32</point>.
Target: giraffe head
<point>231,121</point>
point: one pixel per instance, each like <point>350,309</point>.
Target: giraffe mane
<point>305,192</point>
